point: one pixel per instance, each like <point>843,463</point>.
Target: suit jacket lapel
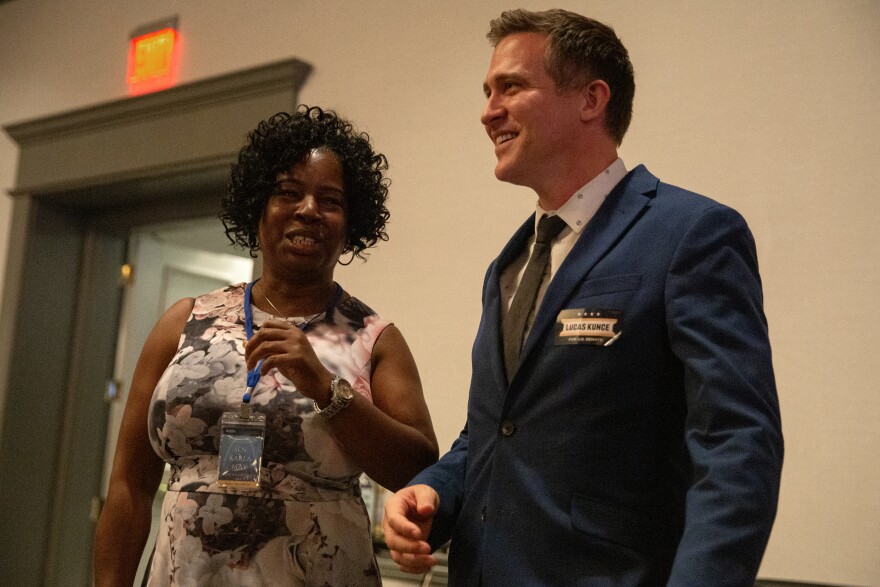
<point>492,302</point>
<point>620,209</point>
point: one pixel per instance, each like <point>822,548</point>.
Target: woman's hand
<point>391,438</point>
<point>280,344</point>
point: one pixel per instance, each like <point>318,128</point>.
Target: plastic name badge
<point>241,450</point>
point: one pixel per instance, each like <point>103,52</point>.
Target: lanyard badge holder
<point>242,433</point>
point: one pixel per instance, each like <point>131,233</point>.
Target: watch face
<point>344,389</point>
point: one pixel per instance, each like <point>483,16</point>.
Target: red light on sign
<point>152,58</point>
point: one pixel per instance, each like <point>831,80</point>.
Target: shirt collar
<point>582,204</point>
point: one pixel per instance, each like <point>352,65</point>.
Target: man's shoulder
<point>672,195</point>
<point>684,201</point>
<point>675,206</point>
<point>642,180</point>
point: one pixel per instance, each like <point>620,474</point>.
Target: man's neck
<point>557,190</point>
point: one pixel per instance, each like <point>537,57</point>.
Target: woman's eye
<point>332,202</point>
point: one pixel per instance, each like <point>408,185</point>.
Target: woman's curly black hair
<point>284,140</point>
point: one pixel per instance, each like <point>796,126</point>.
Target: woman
<point>334,386</point>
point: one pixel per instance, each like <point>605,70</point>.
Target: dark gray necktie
<point>524,299</point>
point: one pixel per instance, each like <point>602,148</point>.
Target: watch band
<point>338,400</point>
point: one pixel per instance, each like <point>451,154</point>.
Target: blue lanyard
<point>254,374</point>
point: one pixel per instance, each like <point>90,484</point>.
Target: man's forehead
<point>517,50</point>
<point>521,45</point>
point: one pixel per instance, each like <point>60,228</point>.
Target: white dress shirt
<point>576,212</point>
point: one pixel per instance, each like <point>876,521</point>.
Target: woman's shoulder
<point>220,301</point>
<point>361,317</point>
<point>356,311</point>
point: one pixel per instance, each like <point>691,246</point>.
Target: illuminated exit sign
<point>152,57</point>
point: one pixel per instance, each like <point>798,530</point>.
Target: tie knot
<point>548,228</point>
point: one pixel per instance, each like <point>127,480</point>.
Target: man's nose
<point>492,110</point>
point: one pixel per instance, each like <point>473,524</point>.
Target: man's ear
<point>596,95</point>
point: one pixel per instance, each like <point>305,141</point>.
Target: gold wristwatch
<point>341,394</point>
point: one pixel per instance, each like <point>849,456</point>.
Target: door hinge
<point>126,274</point>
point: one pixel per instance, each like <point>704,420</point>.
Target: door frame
<point>85,178</point>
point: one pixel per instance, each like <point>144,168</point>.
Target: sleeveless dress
<point>306,524</point>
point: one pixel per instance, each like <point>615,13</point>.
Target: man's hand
<point>407,523</point>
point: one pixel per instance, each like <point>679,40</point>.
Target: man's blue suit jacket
<point>653,460</point>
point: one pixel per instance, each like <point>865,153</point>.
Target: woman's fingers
<point>283,346</point>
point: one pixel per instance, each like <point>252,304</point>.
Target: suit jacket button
<point>507,428</point>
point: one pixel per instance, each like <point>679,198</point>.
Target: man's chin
<point>506,174</point>
<point>503,171</point>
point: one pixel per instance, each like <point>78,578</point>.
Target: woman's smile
<point>303,227</point>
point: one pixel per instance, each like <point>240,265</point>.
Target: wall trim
<point>200,125</point>
<point>286,74</point>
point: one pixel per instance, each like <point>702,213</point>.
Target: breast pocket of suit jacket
<point>597,313</point>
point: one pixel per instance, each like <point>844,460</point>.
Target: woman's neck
<point>291,299</point>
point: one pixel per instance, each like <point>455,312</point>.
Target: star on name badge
<point>600,327</point>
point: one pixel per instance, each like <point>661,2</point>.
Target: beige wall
<point>766,106</point>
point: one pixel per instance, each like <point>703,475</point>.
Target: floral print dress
<point>306,524</point>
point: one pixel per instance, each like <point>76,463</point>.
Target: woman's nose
<point>308,207</point>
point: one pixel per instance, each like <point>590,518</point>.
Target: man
<point>623,428</point>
